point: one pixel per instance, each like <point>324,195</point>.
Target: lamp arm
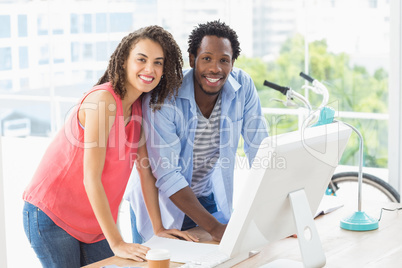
<point>360,178</point>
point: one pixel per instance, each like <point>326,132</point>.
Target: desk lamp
<point>359,220</point>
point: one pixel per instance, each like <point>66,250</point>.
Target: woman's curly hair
<point>172,67</point>
<point>216,28</point>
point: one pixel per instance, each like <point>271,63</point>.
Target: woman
<point>71,204</point>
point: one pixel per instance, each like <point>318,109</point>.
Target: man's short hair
<point>216,28</point>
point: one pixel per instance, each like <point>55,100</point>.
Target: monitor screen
<point>296,162</point>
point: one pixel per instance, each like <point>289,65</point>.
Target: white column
<point>3,249</point>
<point>395,98</point>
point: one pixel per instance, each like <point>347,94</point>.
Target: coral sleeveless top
<point>57,187</point>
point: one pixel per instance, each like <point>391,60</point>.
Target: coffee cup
<point>158,258</point>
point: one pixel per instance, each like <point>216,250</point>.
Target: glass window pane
<point>6,84</point>
<point>5,58</point>
<point>352,57</point>
<point>87,23</point>
<point>121,22</point>
<point>5,30</point>
<point>23,57</point>
<point>42,24</point>
<point>22,26</point>
<point>58,31</point>
<point>75,51</point>
<point>112,47</point>
<point>88,52</point>
<point>101,51</point>
<point>57,23</point>
<point>59,52</point>
<point>74,23</point>
<point>43,55</point>
<point>58,60</point>
<point>101,23</point>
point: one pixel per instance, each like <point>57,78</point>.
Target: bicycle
<point>344,184</point>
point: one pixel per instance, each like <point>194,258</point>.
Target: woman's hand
<point>176,234</point>
<point>132,251</point>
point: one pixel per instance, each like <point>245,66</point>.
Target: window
<point>22,26</point>
<point>5,58</point>
<point>87,25</point>
<point>101,51</point>
<point>101,23</point>
<point>121,22</point>
<point>351,57</point>
<point>112,46</point>
<point>44,55</point>
<point>88,52</point>
<point>23,57</point>
<point>6,84</point>
<point>57,23</point>
<point>75,51</point>
<point>60,51</point>
<point>5,30</point>
<point>43,24</point>
<point>74,24</point>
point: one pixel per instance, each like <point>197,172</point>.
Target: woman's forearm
<point>150,193</point>
<point>100,205</point>
<point>149,190</point>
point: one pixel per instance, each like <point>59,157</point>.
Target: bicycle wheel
<point>345,184</point>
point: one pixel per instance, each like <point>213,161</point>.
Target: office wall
<point>395,98</point>
<point>3,249</point>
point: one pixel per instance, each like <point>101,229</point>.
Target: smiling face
<point>144,66</point>
<point>212,64</point>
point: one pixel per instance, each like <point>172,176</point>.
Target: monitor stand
<point>309,241</point>
<point>307,235</point>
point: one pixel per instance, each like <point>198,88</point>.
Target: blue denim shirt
<point>170,135</point>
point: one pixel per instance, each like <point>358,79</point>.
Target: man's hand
<point>217,231</point>
<point>187,202</point>
<point>176,234</point>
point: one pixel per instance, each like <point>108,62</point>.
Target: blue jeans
<point>55,247</point>
<point>137,238</point>
<point>208,202</point>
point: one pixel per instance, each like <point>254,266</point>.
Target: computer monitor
<point>285,185</point>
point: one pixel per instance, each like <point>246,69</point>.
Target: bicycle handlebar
<point>281,89</point>
<point>318,88</point>
<point>307,77</point>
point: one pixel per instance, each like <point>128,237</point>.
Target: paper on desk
<point>328,204</point>
<point>181,250</point>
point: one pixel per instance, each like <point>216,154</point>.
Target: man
<point>193,138</point>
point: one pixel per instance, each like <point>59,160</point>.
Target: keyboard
<point>207,261</point>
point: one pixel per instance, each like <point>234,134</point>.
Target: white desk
<point>377,248</point>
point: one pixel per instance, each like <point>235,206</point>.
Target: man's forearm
<point>187,202</point>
